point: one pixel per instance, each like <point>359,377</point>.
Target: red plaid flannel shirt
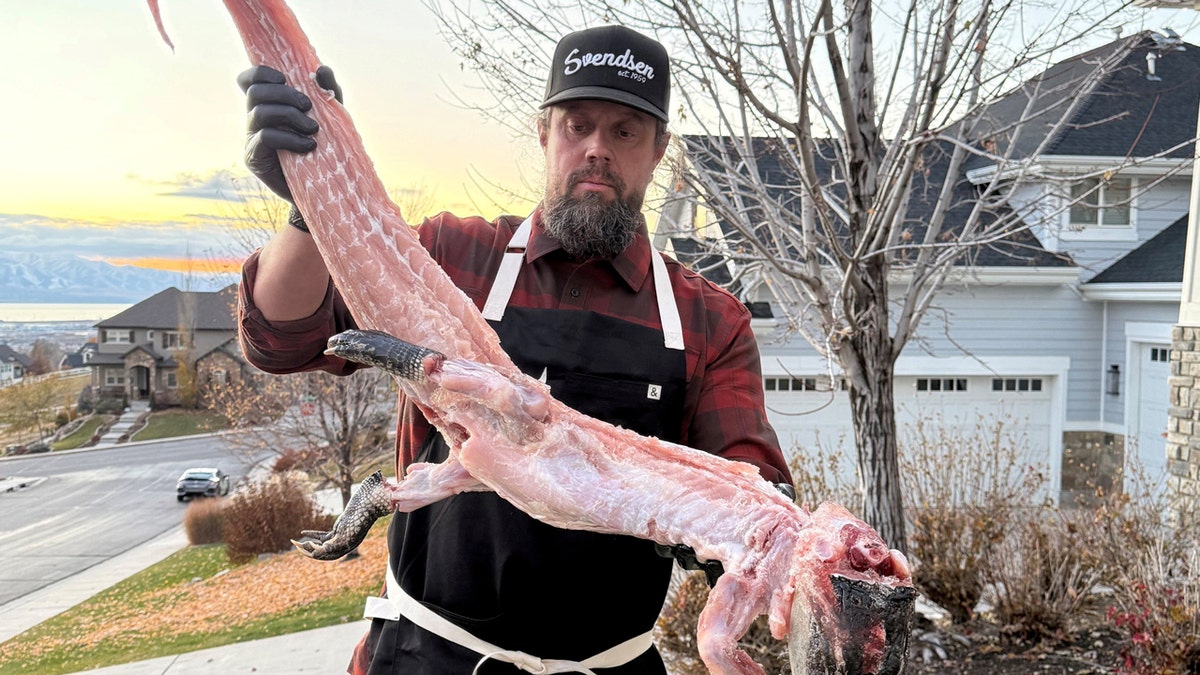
<point>724,410</point>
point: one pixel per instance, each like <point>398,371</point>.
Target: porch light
<point>1113,380</point>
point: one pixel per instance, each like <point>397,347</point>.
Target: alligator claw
<point>369,503</point>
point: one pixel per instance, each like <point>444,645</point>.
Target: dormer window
<point>1099,209</point>
<point>1097,202</point>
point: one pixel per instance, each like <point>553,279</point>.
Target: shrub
<point>110,405</point>
<point>822,473</point>
<point>203,521</point>
<point>1040,574</point>
<point>265,516</point>
<point>964,486</point>
<point>1148,538</point>
<point>86,403</point>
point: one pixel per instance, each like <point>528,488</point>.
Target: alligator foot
<point>369,503</point>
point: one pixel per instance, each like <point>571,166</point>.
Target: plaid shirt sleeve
<point>283,347</point>
<point>725,404</point>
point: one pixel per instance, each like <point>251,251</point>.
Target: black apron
<point>516,582</point>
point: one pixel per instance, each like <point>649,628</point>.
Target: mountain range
<point>49,278</point>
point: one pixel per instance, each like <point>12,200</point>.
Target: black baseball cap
<point>611,63</point>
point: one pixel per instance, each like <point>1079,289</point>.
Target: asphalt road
<point>93,505</point>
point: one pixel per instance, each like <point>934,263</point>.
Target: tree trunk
<point>872,406</point>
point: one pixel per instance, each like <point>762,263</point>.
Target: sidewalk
<point>321,650</point>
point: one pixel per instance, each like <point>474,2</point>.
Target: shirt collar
<point>632,264</point>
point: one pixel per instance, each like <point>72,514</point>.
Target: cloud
<point>197,239</point>
<point>222,185</point>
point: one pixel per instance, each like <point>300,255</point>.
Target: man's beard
<point>591,227</point>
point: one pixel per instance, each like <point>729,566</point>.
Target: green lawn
<point>172,423</point>
<point>81,435</point>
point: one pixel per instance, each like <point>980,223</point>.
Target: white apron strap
<point>510,268</point>
<point>506,278</point>
<point>398,603</point>
<point>668,311</point>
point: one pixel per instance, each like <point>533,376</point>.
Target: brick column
<point>1183,414</point>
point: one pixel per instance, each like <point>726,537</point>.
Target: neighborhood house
<point>13,365</point>
<point>140,352</point>
<point>1061,336</point>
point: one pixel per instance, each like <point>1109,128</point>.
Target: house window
<point>218,376</point>
<point>1017,384</point>
<point>174,340</point>
<point>172,380</point>
<point>1160,354</point>
<point>941,384</point>
<point>114,378</point>
<point>1096,202</point>
<point>793,384</point>
<point>116,336</point>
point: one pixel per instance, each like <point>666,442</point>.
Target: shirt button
<point>574,292</point>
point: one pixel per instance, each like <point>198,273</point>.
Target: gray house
<point>139,351</point>
<point>1062,335</point>
<point>13,365</point>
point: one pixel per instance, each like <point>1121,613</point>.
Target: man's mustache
<point>600,175</point>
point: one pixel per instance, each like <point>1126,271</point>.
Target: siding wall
<point>1010,321</point>
<point>1120,314</point>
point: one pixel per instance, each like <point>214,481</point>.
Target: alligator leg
<point>369,503</point>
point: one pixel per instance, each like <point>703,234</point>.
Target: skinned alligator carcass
<point>825,569</point>
<point>822,576</point>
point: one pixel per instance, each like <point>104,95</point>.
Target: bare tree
<point>32,404</point>
<point>320,423</point>
<point>44,356</point>
<point>814,128</point>
<point>182,349</point>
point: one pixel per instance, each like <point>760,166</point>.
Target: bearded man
<point>580,300</point>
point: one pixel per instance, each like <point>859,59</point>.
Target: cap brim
<point>606,94</point>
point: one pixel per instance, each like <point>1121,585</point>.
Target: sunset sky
<point>117,148</point>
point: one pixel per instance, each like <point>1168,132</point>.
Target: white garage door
<point>1148,424</point>
<point>814,421</point>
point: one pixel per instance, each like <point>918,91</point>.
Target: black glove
<point>686,556</point>
<point>277,122</point>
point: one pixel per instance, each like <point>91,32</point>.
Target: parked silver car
<point>202,482</point>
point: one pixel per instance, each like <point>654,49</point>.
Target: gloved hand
<point>277,122</point>
<point>686,555</point>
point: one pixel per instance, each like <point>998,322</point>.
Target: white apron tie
<point>399,603</point>
<point>510,267</point>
